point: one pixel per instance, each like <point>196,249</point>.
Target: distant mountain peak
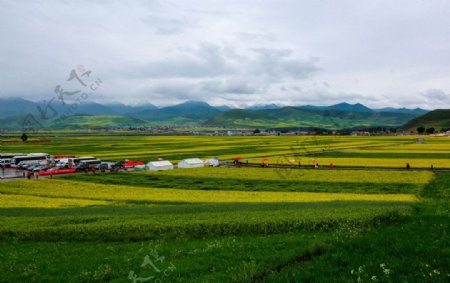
<point>263,106</point>
<point>345,106</point>
<point>194,103</point>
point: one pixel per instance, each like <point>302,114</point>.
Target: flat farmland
<point>342,151</point>
<point>229,224</point>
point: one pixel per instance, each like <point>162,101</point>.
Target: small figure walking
<point>408,166</point>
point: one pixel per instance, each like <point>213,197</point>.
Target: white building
<point>159,165</point>
<point>191,163</point>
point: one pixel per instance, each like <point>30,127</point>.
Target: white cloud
<point>382,53</point>
<point>436,95</point>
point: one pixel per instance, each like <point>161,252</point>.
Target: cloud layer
<point>383,53</point>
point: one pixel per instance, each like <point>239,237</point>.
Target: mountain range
<point>197,113</point>
<point>309,117</point>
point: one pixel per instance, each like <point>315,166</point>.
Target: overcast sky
<point>380,53</point>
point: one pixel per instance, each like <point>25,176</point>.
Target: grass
<point>231,258</point>
<point>282,180</point>
<point>193,221</point>
<point>208,235</point>
<point>229,224</point>
<point>416,251</point>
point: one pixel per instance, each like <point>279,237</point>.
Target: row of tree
<point>422,130</point>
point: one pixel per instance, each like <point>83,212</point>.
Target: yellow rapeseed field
<point>88,191</point>
<point>29,201</point>
<point>333,176</point>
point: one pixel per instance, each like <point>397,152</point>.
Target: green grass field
<point>229,224</point>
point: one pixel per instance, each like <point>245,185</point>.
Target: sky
<point>237,53</point>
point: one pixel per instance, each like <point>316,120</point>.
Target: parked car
<point>38,168</point>
<point>126,164</point>
<point>88,165</point>
<point>118,166</point>
<point>104,166</point>
<point>27,166</point>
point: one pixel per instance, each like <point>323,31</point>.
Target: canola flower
<point>327,176</point>
<point>16,201</point>
<point>67,189</point>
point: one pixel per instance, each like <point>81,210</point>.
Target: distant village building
<point>360,133</point>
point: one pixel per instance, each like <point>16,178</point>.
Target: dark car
<point>118,166</point>
<point>88,165</point>
<point>27,166</point>
<point>39,168</point>
<point>103,167</point>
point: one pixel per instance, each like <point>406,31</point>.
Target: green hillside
<point>288,117</point>
<point>79,122</point>
<point>438,119</point>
